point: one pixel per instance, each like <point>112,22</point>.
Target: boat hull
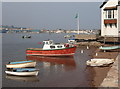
<point>21,65</point>
<point>99,62</point>
<point>69,51</point>
<point>32,73</point>
<point>110,48</point>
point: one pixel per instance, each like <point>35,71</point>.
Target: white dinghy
<point>21,64</point>
<point>99,62</point>
<point>22,72</point>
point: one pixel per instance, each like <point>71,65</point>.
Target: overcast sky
<point>51,15</point>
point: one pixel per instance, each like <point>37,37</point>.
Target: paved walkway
<point>111,79</point>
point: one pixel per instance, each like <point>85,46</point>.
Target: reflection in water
<point>56,63</point>
<point>25,79</point>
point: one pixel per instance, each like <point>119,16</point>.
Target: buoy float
<point>96,54</point>
<point>81,51</point>
<point>87,47</point>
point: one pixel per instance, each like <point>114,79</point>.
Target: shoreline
<point>110,78</point>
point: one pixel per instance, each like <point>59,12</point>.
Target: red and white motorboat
<point>52,49</point>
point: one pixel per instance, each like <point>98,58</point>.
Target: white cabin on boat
<point>48,44</point>
<point>72,41</point>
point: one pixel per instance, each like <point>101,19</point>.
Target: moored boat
<point>21,64</point>
<point>72,41</point>
<point>22,72</point>
<point>99,62</point>
<point>110,48</point>
<point>26,36</point>
<point>52,49</point>
<point>67,36</point>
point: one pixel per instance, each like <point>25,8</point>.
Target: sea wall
<point>111,79</point>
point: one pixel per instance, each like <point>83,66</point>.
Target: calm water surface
<point>53,71</point>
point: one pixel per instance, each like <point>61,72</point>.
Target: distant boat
<point>67,36</point>
<point>22,72</point>
<point>26,36</point>
<point>52,49</point>
<point>99,62</point>
<point>109,48</point>
<point>72,41</point>
<point>21,64</point>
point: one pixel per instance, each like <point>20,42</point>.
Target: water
<point>53,72</point>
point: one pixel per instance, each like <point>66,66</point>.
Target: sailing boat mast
<point>77,17</point>
<point>78,27</point>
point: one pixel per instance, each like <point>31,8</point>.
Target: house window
<point>109,14</point>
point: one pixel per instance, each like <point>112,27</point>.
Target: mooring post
<point>87,47</point>
<point>81,51</point>
<point>96,54</point>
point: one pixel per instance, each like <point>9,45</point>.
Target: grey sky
<point>52,0</point>
<point>51,15</point>
<point>0,13</point>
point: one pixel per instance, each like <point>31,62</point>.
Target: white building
<point>110,18</point>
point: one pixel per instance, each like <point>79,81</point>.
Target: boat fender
<point>66,45</point>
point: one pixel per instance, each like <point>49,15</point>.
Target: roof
<point>111,8</point>
<point>104,3</point>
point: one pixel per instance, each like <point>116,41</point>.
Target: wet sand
<point>97,75</point>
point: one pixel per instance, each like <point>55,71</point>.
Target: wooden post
<point>104,39</point>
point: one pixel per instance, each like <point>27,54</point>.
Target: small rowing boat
<point>67,36</point>
<point>99,62</point>
<point>22,72</point>
<point>21,64</point>
<point>26,36</point>
<point>110,48</point>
